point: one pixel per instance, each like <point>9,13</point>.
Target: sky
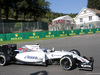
<point>67,6</point>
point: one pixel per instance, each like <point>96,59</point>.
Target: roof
<point>94,10</point>
<point>66,17</point>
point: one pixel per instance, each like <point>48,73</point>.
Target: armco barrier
<point>46,34</point>
<point>3,37</point>
<point>73,32</point>
<point>97,30</point>
<point>63,33</point>
<point>33,35</point>
<point>90,31</point>
<point>16,36</point>
<point>81,32</point>
<point>49,34</point>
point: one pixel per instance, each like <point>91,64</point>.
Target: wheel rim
<point>66,64</point>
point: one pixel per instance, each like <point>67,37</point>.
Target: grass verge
<point>26,40</point>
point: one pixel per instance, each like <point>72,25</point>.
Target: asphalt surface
<point>88,45</point>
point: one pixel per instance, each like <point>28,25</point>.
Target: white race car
<point>33,54</point>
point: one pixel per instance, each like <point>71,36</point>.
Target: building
<point>62,23</point>
<point>87,18</point>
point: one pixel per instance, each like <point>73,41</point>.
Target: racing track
<point>88,45</point>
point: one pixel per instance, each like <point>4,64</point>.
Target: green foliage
<point>2,11</point>
<point>29,10</point>
<point>37,8</point>
<point>72,15</point>
<point>95,4</point>
<point>17,25</point>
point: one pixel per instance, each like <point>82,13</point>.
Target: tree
<point>39,8</point>
<point>23,7</point>
<point>72,15</point>
<point>95,4</point>
<point>36,8</point>
<point>15,8</point>
<point>6,4</point>
<point>1,4</point>
<point>0,10</point>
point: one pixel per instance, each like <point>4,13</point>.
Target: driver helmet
<point>37,43</point>
<point>44,50</point>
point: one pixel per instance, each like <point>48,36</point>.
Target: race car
<point>34,54</point>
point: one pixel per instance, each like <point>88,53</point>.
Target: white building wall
<point>85,13</point>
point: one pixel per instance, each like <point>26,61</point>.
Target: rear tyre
<point>67,62</point>
<point>74,51</point>
<point>4,59</point>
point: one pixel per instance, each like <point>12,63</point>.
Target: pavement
<point>88,45</point>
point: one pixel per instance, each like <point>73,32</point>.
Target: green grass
<point>26,40</point>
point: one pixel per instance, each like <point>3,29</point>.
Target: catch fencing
<point>18,27</point>
<point>46,34</point>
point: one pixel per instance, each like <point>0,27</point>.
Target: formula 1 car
<point>33,54</point>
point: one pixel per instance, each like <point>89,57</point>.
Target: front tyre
<point>45,64</point>
<point>74,51</point>
<point>67,62</point>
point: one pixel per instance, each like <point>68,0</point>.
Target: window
<point>90,18</point>
<point>81,19</point>
<point>84,11</point>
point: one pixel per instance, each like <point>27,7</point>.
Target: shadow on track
<point>40,73</point>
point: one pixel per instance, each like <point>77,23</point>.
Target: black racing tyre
<point>4,59</point>
<point>75,52</point>
<point>0,49</point>
<point>67,62</point>
<point>45,64</point>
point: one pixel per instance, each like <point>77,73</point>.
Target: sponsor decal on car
<point>86,65</point>
<point>30,57</point>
